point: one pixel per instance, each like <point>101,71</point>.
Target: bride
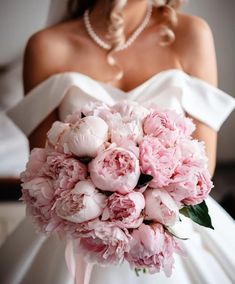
<point>138,50</point>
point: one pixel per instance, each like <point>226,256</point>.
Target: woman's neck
<point>133,14</point>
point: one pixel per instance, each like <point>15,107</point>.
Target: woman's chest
<point>136,64</point>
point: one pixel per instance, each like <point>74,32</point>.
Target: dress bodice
<point>172,89</point>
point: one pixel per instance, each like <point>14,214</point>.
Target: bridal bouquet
<point>116,179</point>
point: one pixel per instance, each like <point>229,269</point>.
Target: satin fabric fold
<point>78,267</point>
<point>171,88</point>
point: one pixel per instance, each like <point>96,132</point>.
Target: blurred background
<point>20,19</point>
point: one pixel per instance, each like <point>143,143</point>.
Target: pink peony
<point>168,126</point>
<point>57,136</point>
<point>106,244</point>
<point>126,122</point>
<point>44,219</point>
<point>38,194</point>
<point>130,111</point>
<point>93,108</point>
<point>73,118</point>
<point>191,184</point>
<point>115,169</point>
<point>128,145</point>
<point>129,131</point>
<point>157,122</point>
<point>152,248</point>
<point>119,129</point>
<point>125,210</point>
<point>77,231</point>
<point>160,207</point>
<point>158,161</point>
<point>87,136</point>
<point>33,167</point>
<point>40,190</point>
<point>81,204</point>
<point>193,150</point>
<point>65,171</point>
<point>96,109</point>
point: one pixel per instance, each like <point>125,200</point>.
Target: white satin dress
<point>28,258</point>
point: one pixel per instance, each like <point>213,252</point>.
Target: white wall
<point>18,20</point>
<point>220,16</point>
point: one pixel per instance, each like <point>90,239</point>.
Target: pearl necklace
<point>129,41</point>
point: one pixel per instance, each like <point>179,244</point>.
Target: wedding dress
<point>27,257</point>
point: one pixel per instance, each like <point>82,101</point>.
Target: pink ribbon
<point>78,267</point>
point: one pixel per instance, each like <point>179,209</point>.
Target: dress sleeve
<point>39,103</point>
<point>206,102</point>
<point>49,94</point>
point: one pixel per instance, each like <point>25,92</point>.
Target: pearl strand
<point>130,40</point>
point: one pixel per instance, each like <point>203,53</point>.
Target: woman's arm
<point>40,62</point>
<point>209,136</point>
<point>198,59</point>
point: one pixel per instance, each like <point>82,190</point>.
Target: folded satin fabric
<point>198,98</point>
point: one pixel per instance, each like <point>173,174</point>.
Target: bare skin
<point>67,47</point>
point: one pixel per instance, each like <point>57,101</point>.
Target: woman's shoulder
<point>194,45</point>
<point>192,33</point>
<point>59,33</point>
<point>55,40</point>
<point>47,51</point>
<point>191,26</point>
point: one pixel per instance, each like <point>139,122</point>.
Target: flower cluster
<point>114,179</point>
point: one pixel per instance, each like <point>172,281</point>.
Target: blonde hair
<point>116,34</point>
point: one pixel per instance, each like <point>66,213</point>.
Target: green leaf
<point>184,211</point>
<point>145,270</point>
<point>198,213</point>
<point>137,270</point>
